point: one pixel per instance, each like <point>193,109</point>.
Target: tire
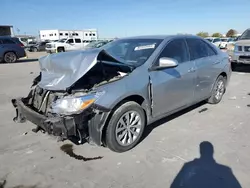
<point>60,49</point>
<point>10,57</point>
<point>34,50</point>
<point>218,90</point>
<point>119,134</point>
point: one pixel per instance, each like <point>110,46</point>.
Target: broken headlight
<point>69,104</point>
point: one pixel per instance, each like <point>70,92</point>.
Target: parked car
<point>108,95</point>
<point>214,40</point>
<point>40,46</point>
<point>225,41</point>
<point>64,45</point>
<point>11,50</point>
<point>241,53</point>
<point>96,44</point>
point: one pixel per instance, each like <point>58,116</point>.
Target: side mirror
<point>165,63</point>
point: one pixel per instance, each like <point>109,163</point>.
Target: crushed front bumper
<point>84,125</point>
<point>57,126</point>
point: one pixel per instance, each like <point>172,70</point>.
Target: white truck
<point>64,45</point>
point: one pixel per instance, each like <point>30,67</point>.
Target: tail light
<point>20,44</point>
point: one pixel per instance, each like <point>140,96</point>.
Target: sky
<point>122,18</point>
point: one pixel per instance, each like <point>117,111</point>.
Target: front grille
<point>244,58</point>
<point>247,48</point>
<point>48,45</point>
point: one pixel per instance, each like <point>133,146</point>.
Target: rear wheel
<point>125,127</point>
<point>218,90</point>
<point>10,57</point>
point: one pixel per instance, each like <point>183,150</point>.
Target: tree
<point>217,35</point>
<point>231,33</point>
<point>203,34</point>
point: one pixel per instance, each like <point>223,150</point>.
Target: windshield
<point>224,40</point>
<point>94,44</point>
<point>245,35</point>
<point>210,40</point>
<point>133,52</point>
<point>62,40</point>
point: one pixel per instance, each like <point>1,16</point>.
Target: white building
<point>56,34</point>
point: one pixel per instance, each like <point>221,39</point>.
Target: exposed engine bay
<point>61,101</point>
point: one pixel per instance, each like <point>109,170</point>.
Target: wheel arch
<point>135,98</point>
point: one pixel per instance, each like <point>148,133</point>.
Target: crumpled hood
<point>62,70</point>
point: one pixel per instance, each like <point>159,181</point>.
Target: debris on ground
<point>31,72</point>
<point>2,183</point>
<point>68,149</point>
<point>203,110</point>
<point>25,133</point>
<point>248,105</point>
<point>237,106</point>
<point>233,98</point>
<point>51,157</point>
<point>29,152</point>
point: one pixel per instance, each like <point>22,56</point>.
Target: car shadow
<point>151,127</point>
<point>205,172</point>
<point>20,61</point>
<point>26,60</point>
<point>241,68</point>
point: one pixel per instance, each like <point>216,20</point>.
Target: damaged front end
<point>69,110</point>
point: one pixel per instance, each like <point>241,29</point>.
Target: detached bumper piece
<point>63,127</point>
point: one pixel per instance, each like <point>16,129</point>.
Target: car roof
<point>2,37</point>
<point>162,37</point>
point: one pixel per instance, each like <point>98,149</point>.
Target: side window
<point>61,34</point>
<point>177,50</point>
<point>78,40</point>
<point>197,49</point>
<point>7,41</point>
<point>70,41</point>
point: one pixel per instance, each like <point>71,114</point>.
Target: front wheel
<point>218,90</point>
<point>34,50</point>
<point>125,127</point>
<point>60,49</point>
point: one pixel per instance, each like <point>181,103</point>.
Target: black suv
<point>40,46</point>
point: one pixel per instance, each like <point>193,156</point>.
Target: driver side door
<point>70,45</point>
<point>173,88</point>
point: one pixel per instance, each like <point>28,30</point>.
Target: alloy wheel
<point>128,128</point>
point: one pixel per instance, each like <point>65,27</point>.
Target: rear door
<point>206,61</point>
<point>10,45</point>
<point>173,88</point>
<point>78,44</point>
